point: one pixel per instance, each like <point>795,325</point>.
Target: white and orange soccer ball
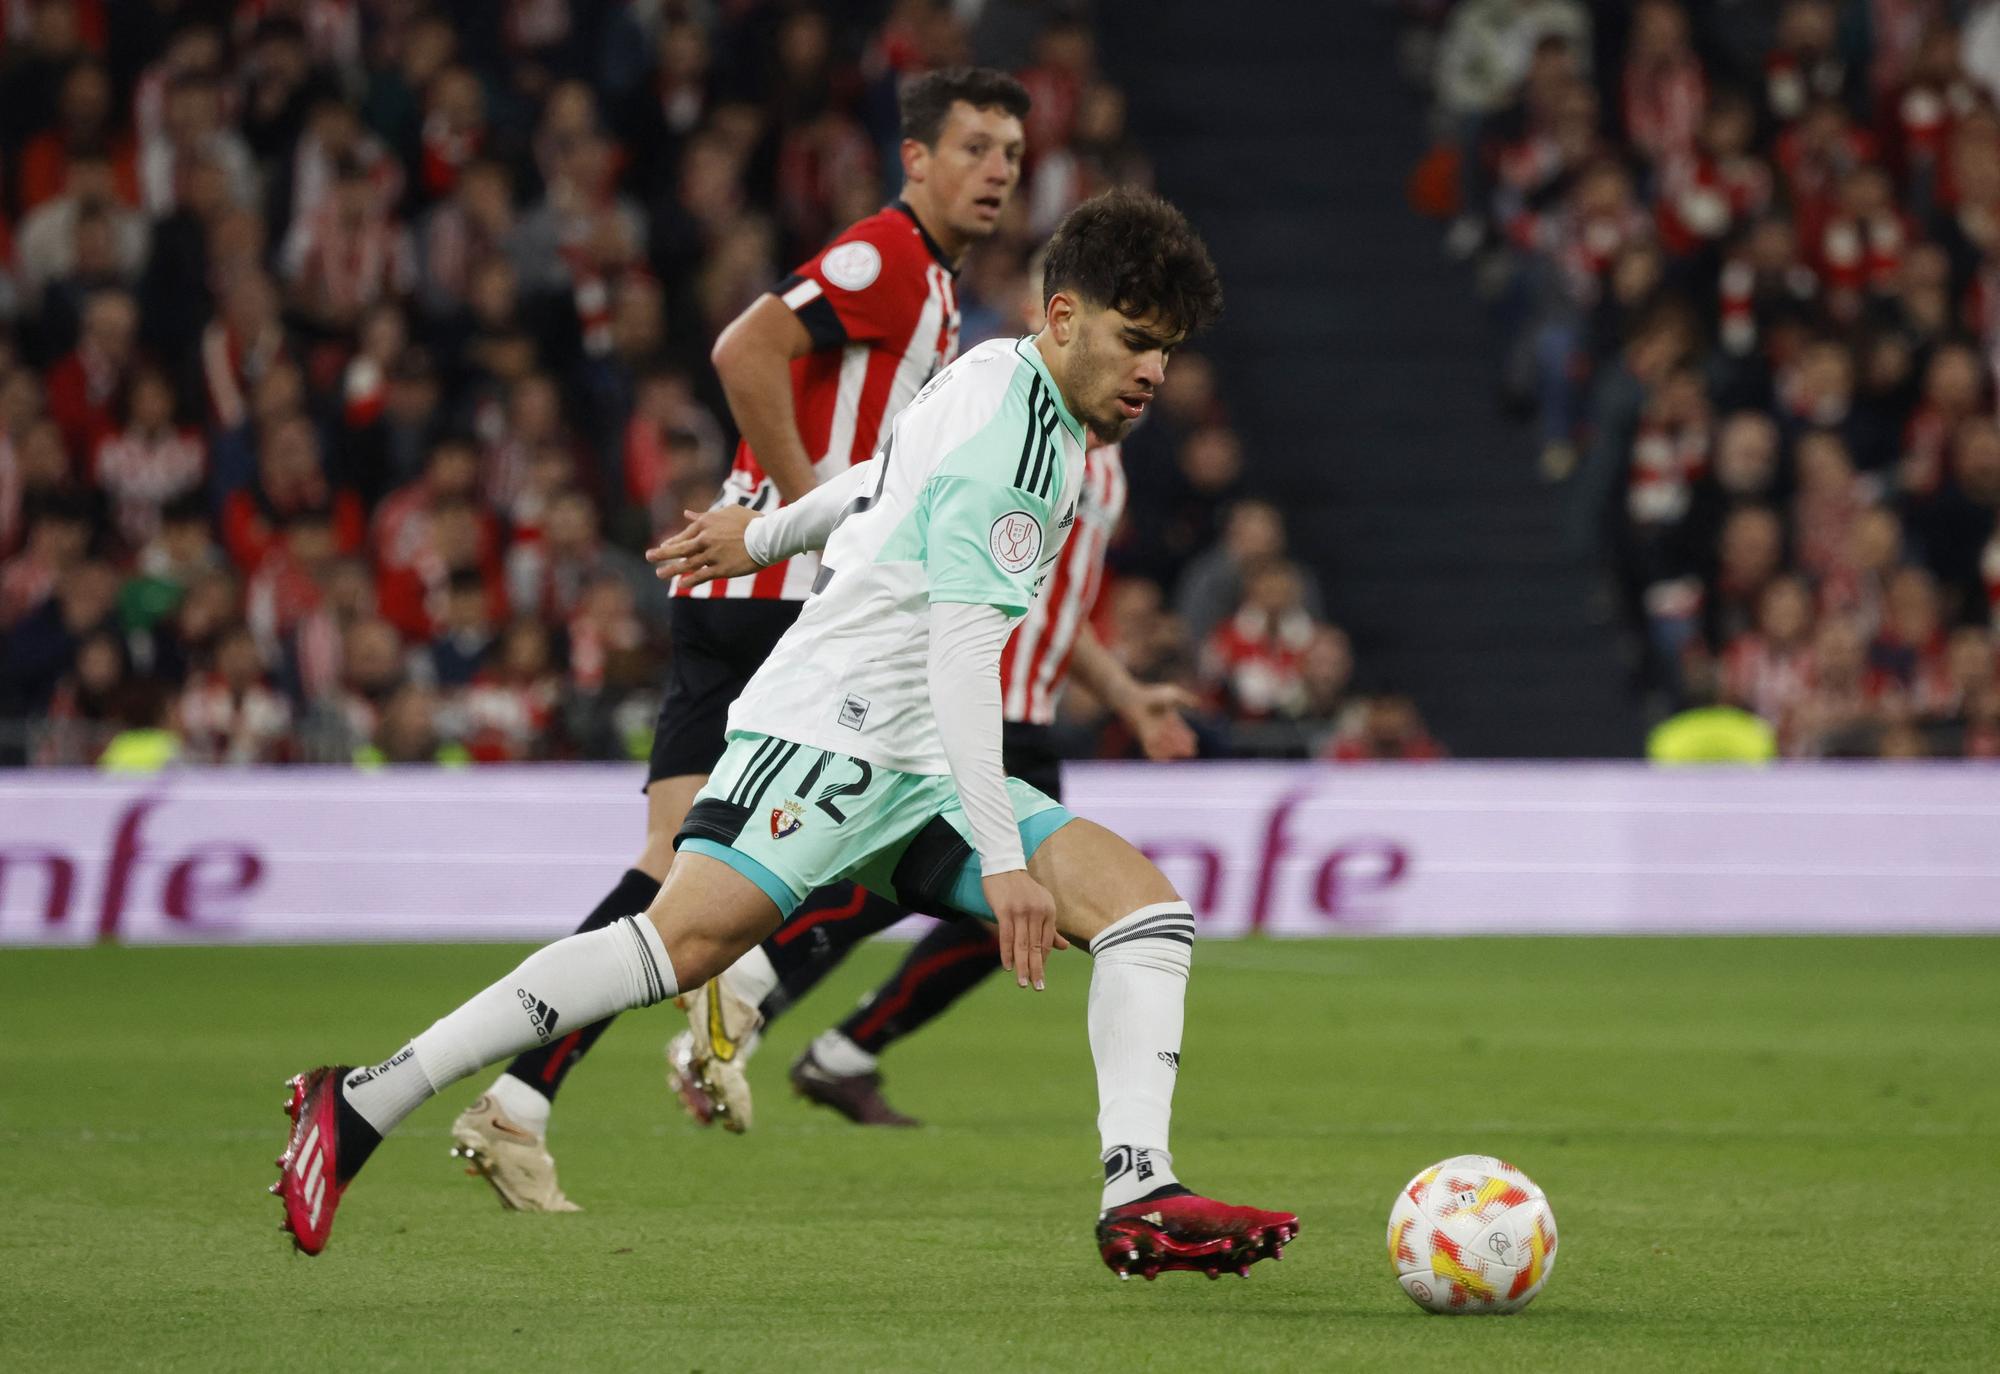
<point>1472,1235</point>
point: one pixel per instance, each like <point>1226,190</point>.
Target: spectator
<point>46,246</point>
<point>458,537</point>
<point>58,537</point>
<point>510,708</point>
<point>1328,671</point>
<point>372,669</point>
<point>41,646</point>
<point>84,711</point>
<point>1769,669</point>
<point>84,127</point>
<point>150,461</point>
<point>464,637</point>
<point>1255,660</point>
<point>84,387</point>
<point>1751,553</point>
<point>290,481</point>
<point>408,732</point>
<point>347,253</point>
<point>229,712</point>
<point>552,576</point>
<point>179,552</point>
<point>1956,528</point>
<point>1179,515</point>
<point>1212,587</point>
<point>1387,727</point>
<point>1487,47</point>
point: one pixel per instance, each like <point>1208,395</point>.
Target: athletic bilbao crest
<point>786,820</point>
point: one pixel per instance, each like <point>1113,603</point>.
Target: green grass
<point>1763,1155</point>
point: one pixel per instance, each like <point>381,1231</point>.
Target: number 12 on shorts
<point>854,787</point>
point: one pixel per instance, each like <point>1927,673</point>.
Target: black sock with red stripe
<point>544,1067</point>
<point>947,963</point>
<point>817,936</point>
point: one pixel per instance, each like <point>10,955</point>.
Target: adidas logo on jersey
<point>541,1015</point>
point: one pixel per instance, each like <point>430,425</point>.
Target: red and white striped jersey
<point>1035,664</point>
<point>881,304</point>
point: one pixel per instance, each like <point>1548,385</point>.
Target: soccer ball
<point>1472,1235</point>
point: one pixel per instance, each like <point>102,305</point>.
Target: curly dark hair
<point>927,101</point>
<point>1132,251</point>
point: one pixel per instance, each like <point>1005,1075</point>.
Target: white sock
<point>1137,994</point>
<point>524,1106</point>
<point>753,977</point>
<point>837,1054</point>
<point>573,982</point>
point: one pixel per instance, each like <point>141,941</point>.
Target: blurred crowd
<point>1745,262</point>
<point>1202,591</point>
<point>352,350</point>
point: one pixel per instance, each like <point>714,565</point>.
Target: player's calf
<point>1141,939</point>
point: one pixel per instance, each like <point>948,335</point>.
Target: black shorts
<point>717,645</point>
<point>1028,752</point>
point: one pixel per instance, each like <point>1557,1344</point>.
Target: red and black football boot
<point>856,1096</point>
<point>1158,1235</point>
<point>328,1143</point>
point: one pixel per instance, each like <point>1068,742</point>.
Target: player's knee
<point>1097,877</point>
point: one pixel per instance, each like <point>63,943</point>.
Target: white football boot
<point>724,1031</point>
<point>507,1155</point>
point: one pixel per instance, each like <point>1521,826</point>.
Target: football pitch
<point>1763,1154</point>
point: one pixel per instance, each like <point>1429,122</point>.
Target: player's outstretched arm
<point>729,541</point>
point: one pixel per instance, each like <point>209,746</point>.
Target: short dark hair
<point>927,101</point>
<point>1132,251</point>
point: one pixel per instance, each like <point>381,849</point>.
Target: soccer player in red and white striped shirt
<point>812,371</point>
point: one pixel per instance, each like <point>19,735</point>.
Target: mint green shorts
<point>792,818</point>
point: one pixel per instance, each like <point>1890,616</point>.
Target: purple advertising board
<point>300,855</point>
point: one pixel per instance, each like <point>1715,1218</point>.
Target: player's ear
<point>1063,318</point>
<point>916,160</point>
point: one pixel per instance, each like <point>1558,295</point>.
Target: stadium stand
<point>1742,263</point>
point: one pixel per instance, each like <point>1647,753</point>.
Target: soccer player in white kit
<point>868,747</point>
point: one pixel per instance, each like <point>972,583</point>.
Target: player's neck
<point>946,243</point>
<point>1054,364</point>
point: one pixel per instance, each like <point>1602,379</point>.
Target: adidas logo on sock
<point>540,1014</point>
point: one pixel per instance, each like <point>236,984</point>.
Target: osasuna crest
<point>1016,540</point>
<point>851,266</point>
<point>786,820</point>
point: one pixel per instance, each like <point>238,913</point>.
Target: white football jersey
<point>969,499</point>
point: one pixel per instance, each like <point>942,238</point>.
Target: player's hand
<point>1026,914</point>
<point>710,547</point>
<point>1153,711</point>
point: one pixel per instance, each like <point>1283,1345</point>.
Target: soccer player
<point>812,370</point>
<point>868,747</point>
<point>840,1068</point>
